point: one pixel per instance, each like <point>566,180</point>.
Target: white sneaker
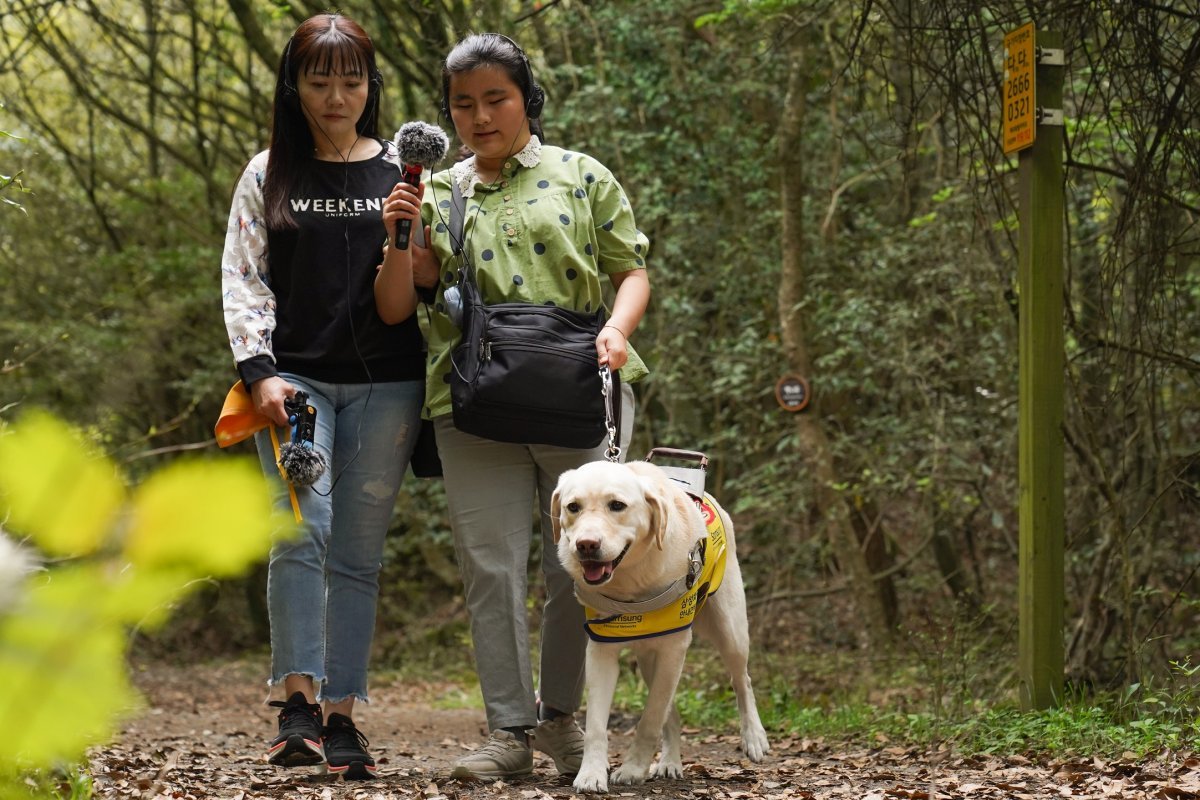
<point>560,738</point>
<point>504,756</point>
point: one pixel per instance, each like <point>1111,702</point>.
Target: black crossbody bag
<point>524,373</point>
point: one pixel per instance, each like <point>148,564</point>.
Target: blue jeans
<point>322,585</point>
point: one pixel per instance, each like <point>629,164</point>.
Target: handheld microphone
<point>420,146</point>
<point>300,460</point>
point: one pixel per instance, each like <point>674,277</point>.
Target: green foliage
<point>121,558</point>
<point>745,9</point>
<point>1137,721</point>
<point>11,183</point>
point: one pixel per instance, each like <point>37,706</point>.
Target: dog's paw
<point>628,775</point>
<point>594,782</point>
<point>755,744</point>
<point>667,769</point>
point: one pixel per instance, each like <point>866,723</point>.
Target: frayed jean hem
<point>358,697</point>
<point>279,679</point>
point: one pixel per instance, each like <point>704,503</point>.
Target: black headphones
<point>291,95</point>
<point>535,98</point>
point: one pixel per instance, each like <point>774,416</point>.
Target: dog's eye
<point>616,505</point>
<point>573,507</point>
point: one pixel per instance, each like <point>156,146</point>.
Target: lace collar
<point>463,173</point>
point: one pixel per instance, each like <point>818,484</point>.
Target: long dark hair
<point>491,50</point>
<point>325,44</point>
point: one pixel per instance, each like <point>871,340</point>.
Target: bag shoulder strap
<point>458,208</point>
<point>458,214</point>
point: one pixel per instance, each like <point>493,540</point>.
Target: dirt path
<point>202,733</point>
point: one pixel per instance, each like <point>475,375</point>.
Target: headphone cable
<point>349,303</point>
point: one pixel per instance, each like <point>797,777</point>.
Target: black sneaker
<point>346,750</point>
<point>299,741</point>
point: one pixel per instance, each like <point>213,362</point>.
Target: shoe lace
<point>336,733</point>
<point>561,732</point>
<point>499,745</point>
<point>291,713</point>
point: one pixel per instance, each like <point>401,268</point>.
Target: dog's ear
<point>555,511</point>
<point>556,506</point>
<point>657,501</point>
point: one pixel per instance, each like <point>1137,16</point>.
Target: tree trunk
<point>831,505</point>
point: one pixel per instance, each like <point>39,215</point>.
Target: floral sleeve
<point>247,298</point>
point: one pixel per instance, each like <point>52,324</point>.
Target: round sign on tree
<point>792,393</point>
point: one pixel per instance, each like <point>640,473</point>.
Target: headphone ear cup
<point>537,101</point>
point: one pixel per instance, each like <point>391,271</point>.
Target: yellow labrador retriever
<point>647,563</point>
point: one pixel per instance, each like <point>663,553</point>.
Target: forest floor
<point>202,731</point>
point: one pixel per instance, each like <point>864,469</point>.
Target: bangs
<point>335,54</point>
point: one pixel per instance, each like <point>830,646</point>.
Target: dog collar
<point>675,590</point>
<point>672,609</point>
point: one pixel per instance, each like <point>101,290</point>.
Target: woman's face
<point>488,110</point>
<point>332,104</point>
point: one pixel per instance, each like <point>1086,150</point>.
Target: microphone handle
<point>410,174</point>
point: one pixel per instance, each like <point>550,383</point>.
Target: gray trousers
<point>490,492</point>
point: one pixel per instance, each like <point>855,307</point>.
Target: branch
<point>256,38</point>
<point>1184,362</point>
<point>869,172</point>
<point>1164,9</point>
<point>1175,201</point>
<point>800,594</point>
<point>538,8</point>
<point>174,448</point>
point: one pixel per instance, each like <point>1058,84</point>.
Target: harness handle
<point>685,455</point>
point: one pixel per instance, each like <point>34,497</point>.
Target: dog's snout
<point>588,549</point>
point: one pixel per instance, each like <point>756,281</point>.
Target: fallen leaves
<point>200,742</point>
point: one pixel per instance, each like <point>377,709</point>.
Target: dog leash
<point>613,451</point>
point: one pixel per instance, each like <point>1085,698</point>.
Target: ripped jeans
<point>322,585</point>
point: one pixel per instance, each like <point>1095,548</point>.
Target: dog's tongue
<point>596,571</point>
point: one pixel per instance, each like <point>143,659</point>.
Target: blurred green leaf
<point>63,671</point>
<point>214,517</point>
<point>145,598</point>
<point>54,490</point>
<point>64,636</point>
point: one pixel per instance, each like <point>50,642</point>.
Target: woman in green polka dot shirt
<point>543,225</point>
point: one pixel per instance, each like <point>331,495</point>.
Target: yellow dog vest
<point>678,615</point>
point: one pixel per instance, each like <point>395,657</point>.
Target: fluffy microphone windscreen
<point>302,465</point>
<point>421,143</point>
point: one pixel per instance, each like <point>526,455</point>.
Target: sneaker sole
<point>296,751</point>
<point>354,771</point>
<point>564,769</point>
<point>463,772</point>
<point>561,764</point>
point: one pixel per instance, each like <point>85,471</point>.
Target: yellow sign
<point>1019,124</point>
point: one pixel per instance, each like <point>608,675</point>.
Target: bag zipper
<point>486,348</point>
<point>547,311</point>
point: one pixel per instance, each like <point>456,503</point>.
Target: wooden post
<point>1041,396</point>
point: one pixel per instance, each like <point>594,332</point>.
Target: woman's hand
<point>612,347</point>
<point>268,395</point>
<point>633,293</point>
<point>403,203</point>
